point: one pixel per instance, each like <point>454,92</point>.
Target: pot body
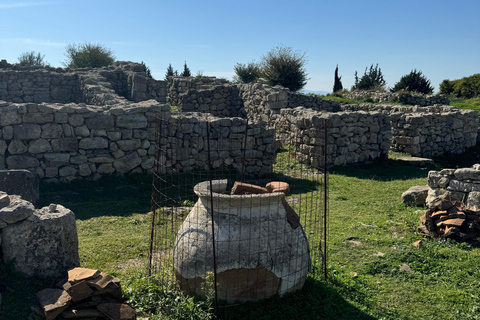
<point>258,253</point>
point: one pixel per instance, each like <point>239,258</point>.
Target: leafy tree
<point>170,72</point>
<point>147,70</point>
<point>186,71</point>
<point>88,55</point>
<point>414,81</point>
<point>373,79</point>
<point>247,73</point>
<point>446,87</point>
<point>32,59</point>
<point>282,66</point>
<point>467,87</point>
<point>337,85</point>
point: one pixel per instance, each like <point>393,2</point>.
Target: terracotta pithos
<point>258,253</point>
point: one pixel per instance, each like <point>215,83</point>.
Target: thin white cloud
<point>15,5</point>
<point>35,42</point>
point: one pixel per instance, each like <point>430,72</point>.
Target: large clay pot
<point>258,253</point>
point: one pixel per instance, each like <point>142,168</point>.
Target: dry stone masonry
<point>353,136</point>
<point>428,131</point>
<point>460,184</point>
<point>185,143</point>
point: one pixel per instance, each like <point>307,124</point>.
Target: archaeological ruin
<point>71,124</point>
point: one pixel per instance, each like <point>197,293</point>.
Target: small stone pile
<point>87,294</point>
<point>449,218</point>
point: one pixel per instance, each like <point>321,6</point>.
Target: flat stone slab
<point>415,161</point>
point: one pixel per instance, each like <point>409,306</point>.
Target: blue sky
<point>441,38</point>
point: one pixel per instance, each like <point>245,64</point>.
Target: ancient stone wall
<point>185,143</point>
<point>118,83</point>
<point>221,101</point>
<point>353,136</point>
<point>180,85</point>
<point>428,131</point>
<point>399,97</point>
<point>61,142</point>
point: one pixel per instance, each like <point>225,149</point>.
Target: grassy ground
<point>473,104</point>
<point>371,235</point>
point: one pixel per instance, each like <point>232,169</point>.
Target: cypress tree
<point>337,85</point>
<point>170,72</point>
<point>186,71</point>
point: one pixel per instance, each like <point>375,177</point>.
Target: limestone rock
<point>415,196</point>
<point>127,162</point>
<point>17,210</point>
<point>434,194</point>
<point>76,275</point>
<point>473,200</point>
<point>49,250</point>
<point>467,174</point>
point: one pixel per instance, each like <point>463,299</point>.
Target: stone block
<point>38,118</point>
<point>415,196</point>
<point>39,146</point>
<point>16,210</point>
<point>27,131</point>
<point>127,162</point>
<point>21,162</point>
<point>100,122</point>
<point>69,144</point>
<point>93,143</point>
<point>49,251</point>
<point>133,121</point>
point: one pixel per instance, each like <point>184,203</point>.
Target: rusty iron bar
<point>209,163</point>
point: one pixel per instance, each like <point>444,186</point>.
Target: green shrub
<point>88,55</point>
<point>160,299</point>
<point>282,66</point>
<point>467,87</point>
<point>414,81</point>
<point>32,59</point>
<point>248,73</point>
<point>371,80</point>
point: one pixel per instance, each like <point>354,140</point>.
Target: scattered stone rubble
<point>449,218</point>
<point>42,242</point>
<point>87,294</point>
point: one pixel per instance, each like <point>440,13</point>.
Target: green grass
<point>473,104</point>
<point>113,228</point>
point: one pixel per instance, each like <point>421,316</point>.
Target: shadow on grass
<point>316,300</point>
<point>109,196</point>
<point>464,160</point>
<point>384,170</point>
<point>124,195</point>
<point>18,293</point>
